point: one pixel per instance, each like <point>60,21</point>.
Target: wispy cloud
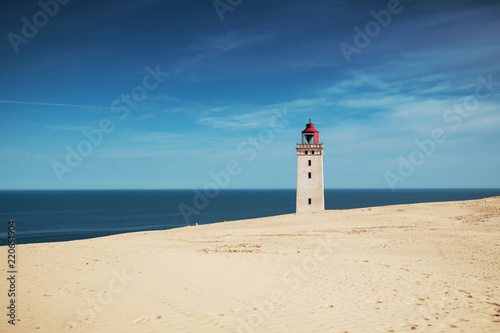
<point>235,39</point>
<point>248,120</point>
<point>11,150</point>
<point>52,104</point>
<point>152,137</point>
<point>64,128</point>
<point>134,153</point>
<point>229,78</point>
<point>215,46</point>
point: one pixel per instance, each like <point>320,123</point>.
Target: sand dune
<point>431,267</point>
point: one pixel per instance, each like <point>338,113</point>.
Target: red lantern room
<point>310,134</point>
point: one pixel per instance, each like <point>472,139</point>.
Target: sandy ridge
<point>432,267</point>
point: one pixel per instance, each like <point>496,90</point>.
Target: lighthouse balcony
<point>309,149</point>
<point>310,145</point>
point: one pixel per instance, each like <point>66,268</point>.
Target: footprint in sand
<point>145,319</point>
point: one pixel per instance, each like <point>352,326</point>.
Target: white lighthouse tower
<point>310,192</point>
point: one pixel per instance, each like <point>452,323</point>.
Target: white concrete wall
<point>310,187</point>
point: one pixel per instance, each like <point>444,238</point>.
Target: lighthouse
<point>310,192</point>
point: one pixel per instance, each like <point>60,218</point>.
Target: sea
<point>57,215</point>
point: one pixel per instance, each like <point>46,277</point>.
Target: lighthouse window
<point>309,201</point>
<point>309,163</point>
<point>309,175</point>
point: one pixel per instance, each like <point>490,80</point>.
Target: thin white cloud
<point>440,87</point>
<point>375,101</point>
<point>52,104</point>
<point>248,120</point>
<point>11,150</point>
<point>64,128</point>
<point>218,45</point>
<point>230,41</point>
<point>152,137</point>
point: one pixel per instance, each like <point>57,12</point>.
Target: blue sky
<point>412,101</point>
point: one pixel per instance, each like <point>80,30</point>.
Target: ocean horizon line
<point>68,214</point>
<point>254,189</point>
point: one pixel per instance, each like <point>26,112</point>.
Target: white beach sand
<point>431,267</point>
